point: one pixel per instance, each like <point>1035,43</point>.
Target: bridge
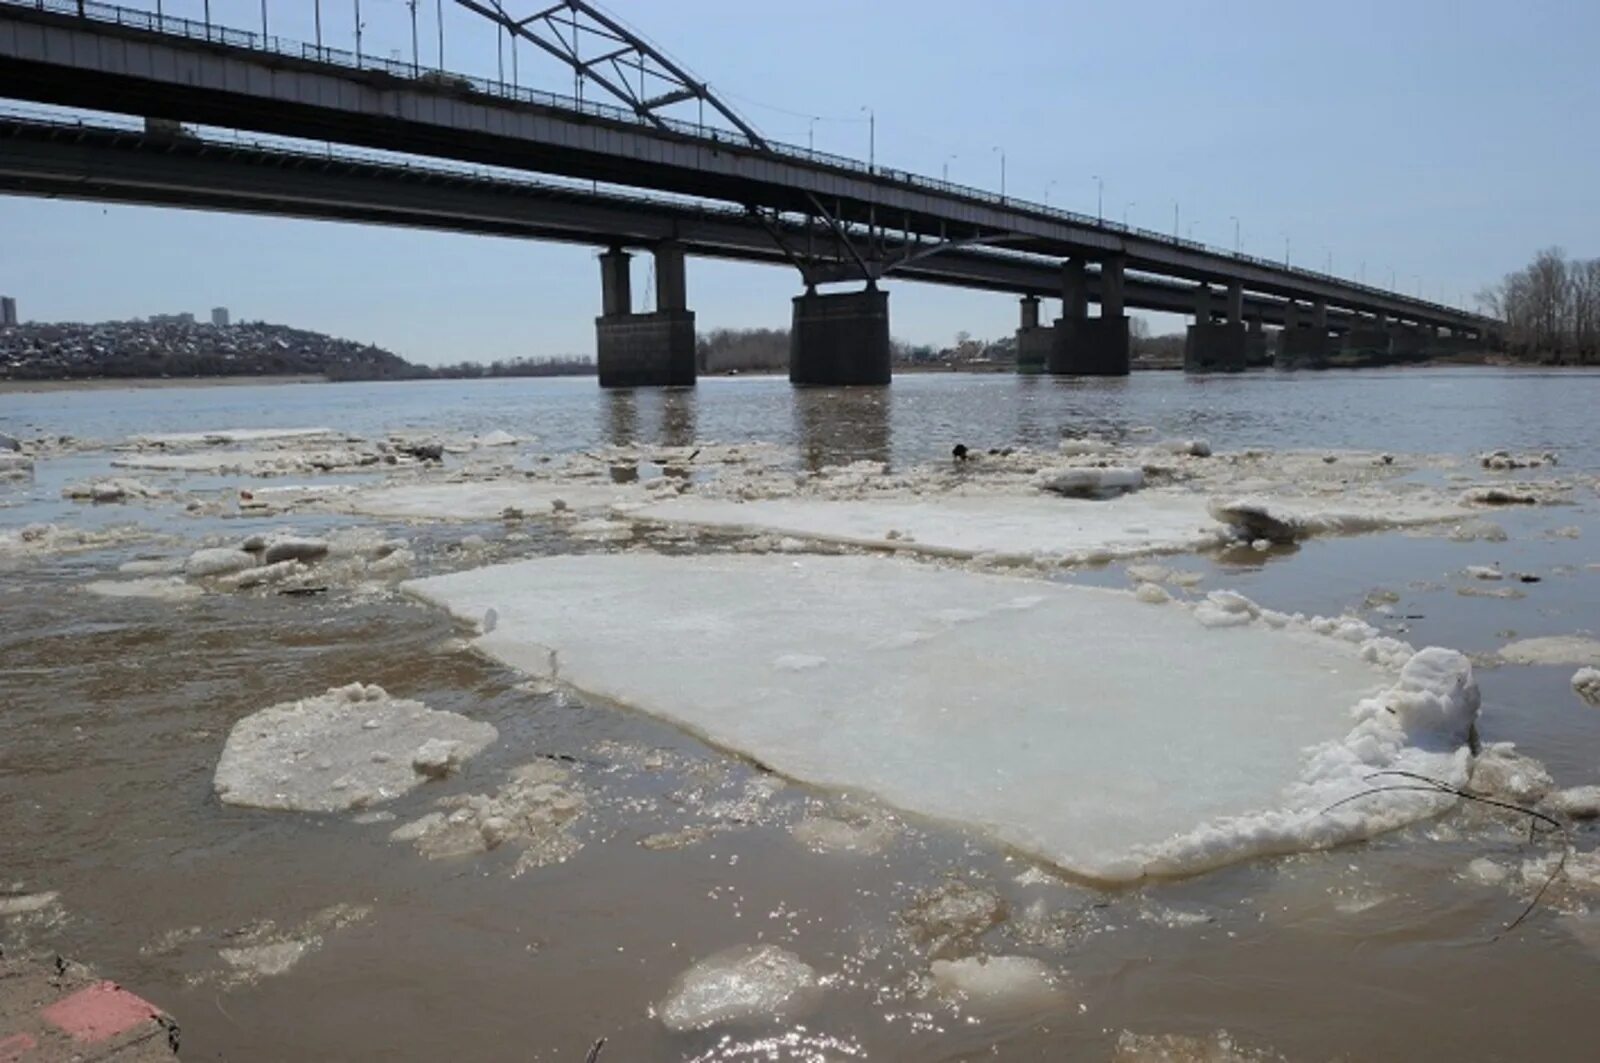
<point>402,144</point>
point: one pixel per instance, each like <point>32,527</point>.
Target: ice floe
<point>353,747</point>
<point>533,812</point>
<point>1586,684</point>
<point>225,436</point>
<point>741,984</point>
<point>1553,649</point>
<point>1110,737</point>
<point>484,499</point>
<point>156,588</point>
<point>998,985</point>
<point>1016,528</point>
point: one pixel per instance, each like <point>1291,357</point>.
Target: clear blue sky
<point>1446,140</point>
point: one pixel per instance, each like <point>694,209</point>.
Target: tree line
<point>1551,308</point>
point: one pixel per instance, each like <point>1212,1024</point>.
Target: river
<point>113,713</point>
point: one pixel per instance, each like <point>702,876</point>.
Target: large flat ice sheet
<point>1011,526</point>
<point>1110,737</point>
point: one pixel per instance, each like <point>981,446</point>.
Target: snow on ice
<point>352,747</point>
<point>1097,732</point>
<point>1007,527</point>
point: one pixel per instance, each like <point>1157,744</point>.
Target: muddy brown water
<point>112,714</point>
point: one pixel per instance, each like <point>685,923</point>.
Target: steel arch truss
<point>604,53</point>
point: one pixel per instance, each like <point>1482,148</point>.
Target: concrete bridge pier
<point>1366,337</point>
<point>1091,346</point>
<point>1033,339</point>
<point>645,350</point>
<point>1301,346</point>
<point>1216,346</point>
<point>840,339</point>
<point>1406,341</point>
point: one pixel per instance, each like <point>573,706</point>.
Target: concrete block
<point>840,339</point>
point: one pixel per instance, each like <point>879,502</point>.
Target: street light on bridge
<point>1236,244</point>
<point>811,136</point>
<point>1002,152</point>
<point>872,138</point>
<point>1125,206</point>
<point>944,170</point>
<point>1099,201</point>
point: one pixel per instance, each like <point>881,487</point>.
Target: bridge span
<point>714,189</point>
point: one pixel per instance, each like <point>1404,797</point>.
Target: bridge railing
<point>191,29</point>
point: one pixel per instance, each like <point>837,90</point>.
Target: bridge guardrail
<point>210,32</point>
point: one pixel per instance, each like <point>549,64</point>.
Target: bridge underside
<point>57,58</point>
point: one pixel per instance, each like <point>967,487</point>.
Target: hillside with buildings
<point>176,345</point>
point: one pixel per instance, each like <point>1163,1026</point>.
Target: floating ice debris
<point>15,466</point>
<point>998,985</point>
<point>118,489</point>
<point>437,758</point>
<point>218,561</point>
<point>1287,522</point>
<point>9,442</point>
<point>223,436</point>
<point>1501,459</point>
<point>1488,572</point>
<point>741,984</point>
<point>16,904</point>
<point>1553,649</point>
<point>35,540</point>
<point>1501,772</point>
<point>1586,683</point>
<point>1219,1047</point>
<point>497,438</point>
<point>263,951</point>
<point>484,499</point>
<point>1477,530</point>
<point>1152,594</point>
<point>1090,482</point>
<point>157,588</point>
<point>1249,726</point>
<point>948,921</point>
<point>349,748</point>
<point>1499,496</point>
<point>1578,802</point>
<point>293,548</point>
<point>1485,872</point>
<point>534,811</point>
<point>850,829</point>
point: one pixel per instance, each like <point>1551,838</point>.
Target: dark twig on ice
<point>1425,784</point>
<point>594,1052</point>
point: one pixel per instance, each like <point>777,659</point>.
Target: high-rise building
<point>219,316</point>
<point>8,311</point>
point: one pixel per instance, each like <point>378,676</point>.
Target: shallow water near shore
<point>113,713</point>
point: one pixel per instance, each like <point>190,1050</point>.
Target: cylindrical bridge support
<point>1086,346</point>
<point>616,284</point>
<point>645,350</point>
<point>1074,290</point>
<point>1030,311</point>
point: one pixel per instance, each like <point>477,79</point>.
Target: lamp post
<point>438,14</point>
<point>1236,243</point>
<point>412,4</point>
<point>1125,206</point>
<point>1285,250</point>
<point>1099,201</point>
<point>944,171</point>
<point>811,136</point>
<point>1174,220</point>
<point>1048,186</point>
<point>872,138</point>
<point>1002,152</point>
<point>358,32</point>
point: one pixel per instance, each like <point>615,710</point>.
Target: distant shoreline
<point>24,387</point>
